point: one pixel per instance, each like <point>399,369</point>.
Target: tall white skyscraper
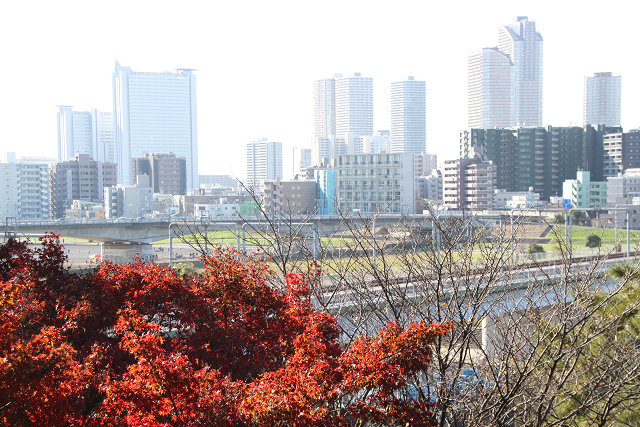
<point>75,133</point>
<point>490,90</point>
<point>324,95</point>
<point>155,113</point>
<point>408,116</point>
<point>523,44</point>
<point>602,99</point>
<point>103,136</point>
<point>354,105</point>
<point>85,132</point>
<point>343,112</point>
<point>324,108</point>
<point>264,162</point>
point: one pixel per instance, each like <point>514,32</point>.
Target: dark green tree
<point>579,218</point>
<point>593,241</point>
<point>558,218</point>
<point>535,249</point>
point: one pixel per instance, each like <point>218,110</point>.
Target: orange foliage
<point>139,344</point>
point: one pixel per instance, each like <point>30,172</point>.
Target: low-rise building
<point>623,188</point>
<point>83,209</point>
<point>326,184</point>
<point>293,197</point>
<point>216,210</point>
<point>186,205</point>
<point>516,199</point>
<point>583,193</point>
<point>371,183</point>
<point>129,201</point>
<point>218,181</point>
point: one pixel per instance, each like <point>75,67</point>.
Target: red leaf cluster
<point>139,344</point>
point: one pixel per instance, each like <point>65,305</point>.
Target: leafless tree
<point>533,342</point>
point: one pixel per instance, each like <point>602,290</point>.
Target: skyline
<point>256,70</point>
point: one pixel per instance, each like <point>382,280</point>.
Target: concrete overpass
<point>146,231</point>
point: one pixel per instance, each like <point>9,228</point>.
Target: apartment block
<point>168,173</point>
<point>584,193</point>
<point>469,183</point>
<point>264,162</point>
<point>293,197</point>
<point>370,183</point>
<point>129,201</point>
<point>602,99</point>
<point>79,179</point>
<point>622,189</point>
<point>537,157</point>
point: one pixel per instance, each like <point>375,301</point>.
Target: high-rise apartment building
<point>81,178</point>
<point>505,82</point>
<point>523,44</point>
<point>167,172</point>
<point>526,157</point>
<point>33,190</point>
<point>593,154</point>
<point>499,146</point>
<point>621,151</point>
<point>602,99</point>
<point>354,104</point>
<point>155,113</point>
<point>343,112</point>
<point>324,103</point>
<point>408,116</point>
<point>490,89</point>
<point>8,190</point>
<point>264,162</point>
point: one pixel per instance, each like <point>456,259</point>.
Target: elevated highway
<point>146,231</point>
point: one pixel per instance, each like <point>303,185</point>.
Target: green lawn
<point>227,237</point>
<point>607,235</point>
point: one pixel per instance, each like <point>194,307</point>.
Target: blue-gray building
<point>326,180</point>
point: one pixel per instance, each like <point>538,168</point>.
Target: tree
<point>513,354</point>
<point>558,218</point>
<point>534,248</point>
<point>579,218</point>
<point>607,377</point>
<point>593,241</point>
<point>140,344</point>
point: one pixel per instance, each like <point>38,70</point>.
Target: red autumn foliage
<point>139,344</point>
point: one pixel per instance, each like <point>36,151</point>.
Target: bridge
<point>149,230</point>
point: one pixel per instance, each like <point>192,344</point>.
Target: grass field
<point>579,236</point>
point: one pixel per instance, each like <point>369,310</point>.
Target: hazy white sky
<point>257,60</point>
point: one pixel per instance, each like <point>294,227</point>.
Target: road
<point>79,253</point>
